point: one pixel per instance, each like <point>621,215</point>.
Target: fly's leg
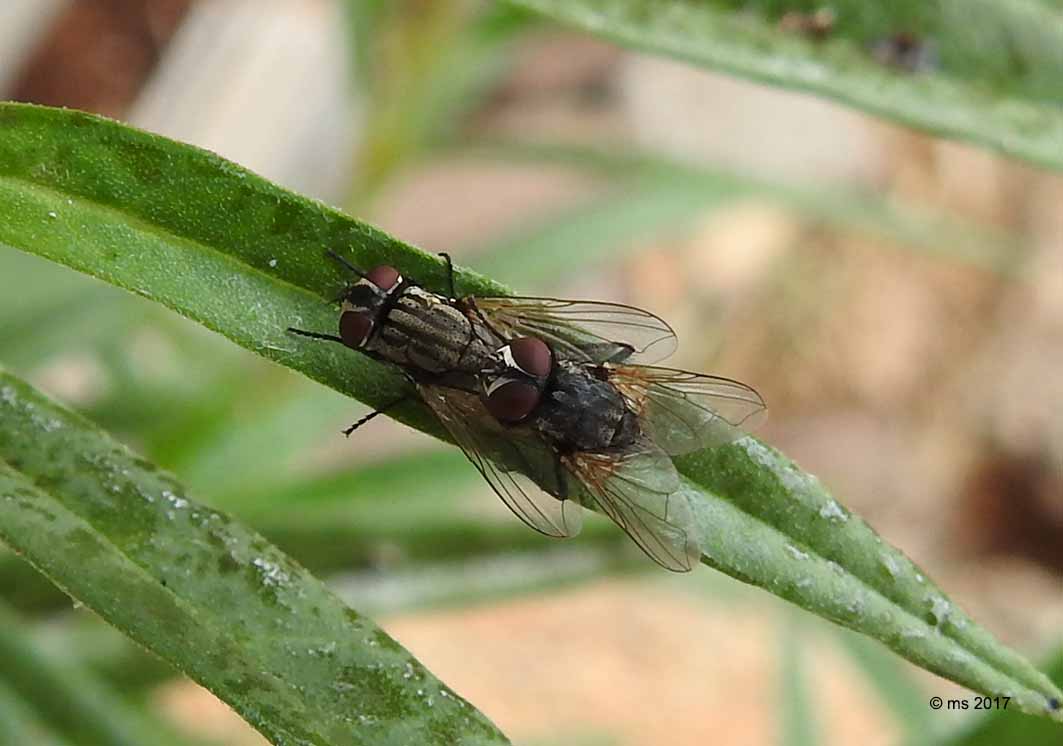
<point>371,415</point>
<point>315,335</point>
<point>450,274</point>
<point>562,481</point>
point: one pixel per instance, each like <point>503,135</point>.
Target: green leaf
<point>46,310</point>
<point>212,598</point>
<point>63,695</point>
<point>20,724</point>
<point>896,687</point>
<point>996,83</point>
<point>438,62</point>
<point>776,526</point>
<point>605,228</point>
<point>658,193</point>
<point>24,588</point>
<point>85,640</point>
<point>798,722</point>
<point>201,235</point>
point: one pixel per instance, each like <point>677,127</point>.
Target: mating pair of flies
<point>553,401</point>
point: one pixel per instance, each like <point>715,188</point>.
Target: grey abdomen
<point>424,332</point>
<point>583,413</point>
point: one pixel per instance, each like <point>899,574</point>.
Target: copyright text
<point>970,703</point>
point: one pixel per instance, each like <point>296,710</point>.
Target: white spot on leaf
<point>832,511</point>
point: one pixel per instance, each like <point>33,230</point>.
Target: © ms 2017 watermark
<point>970,703</point>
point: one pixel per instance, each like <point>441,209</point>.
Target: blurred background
<point>898,301</point>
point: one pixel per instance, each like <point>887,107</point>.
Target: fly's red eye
<point>532,356</point>
<point>354,328</point>
<point>512,401</point>
<point>384,277</point>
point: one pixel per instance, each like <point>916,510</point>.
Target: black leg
<point>315,335</point>
<point>450,274</point>
<point>373,414</point>
<point>562,483</point>
<point>345,263</point>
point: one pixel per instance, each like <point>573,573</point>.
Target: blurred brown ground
<point>924,392</point>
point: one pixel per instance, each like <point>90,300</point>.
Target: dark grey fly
<point>603,431</point>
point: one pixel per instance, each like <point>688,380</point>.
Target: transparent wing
<point>498,453</point>
<point>682,411</point>
<point>582,331</point>
<point>640,491</point>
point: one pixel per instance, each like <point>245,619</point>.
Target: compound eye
<point>532,356</point>
<point>384,277</point>
<point>512,401</point>
<point>355,327</point>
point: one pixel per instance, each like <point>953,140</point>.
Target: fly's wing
<point>498,452</point>
<point>682,411</point>
<point>638,488</point>
<point>582,331</point>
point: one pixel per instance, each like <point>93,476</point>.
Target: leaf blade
<point>784,532</point>
<point>1014,109</point>
<point>210,597</point>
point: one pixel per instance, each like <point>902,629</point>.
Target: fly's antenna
<point>371,415</point>
<point>345,263</point>
<point>347,431</point>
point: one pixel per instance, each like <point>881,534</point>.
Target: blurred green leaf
<point>606,228</point>
<point>465,581</point>
<point>996,83</point>
<point>242,256</point>
<point>84,640</point>
<point>19,724</point>
<point>65,697</point>
<point>47,310</point>
<point>898,690</point>
<point>254,445</point>
<point>362,19</point>
<point>24,588</point>
<point>432,63</point>
<point>648,181</point>
<point>797,714</point>
<point>212,598</point>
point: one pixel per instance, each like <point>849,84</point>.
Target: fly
<point>449,342</point>
<point>553,401</point>
<point>574,429</point>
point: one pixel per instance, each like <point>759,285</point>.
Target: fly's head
<point>513,391</point>
<point>365,302</point>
